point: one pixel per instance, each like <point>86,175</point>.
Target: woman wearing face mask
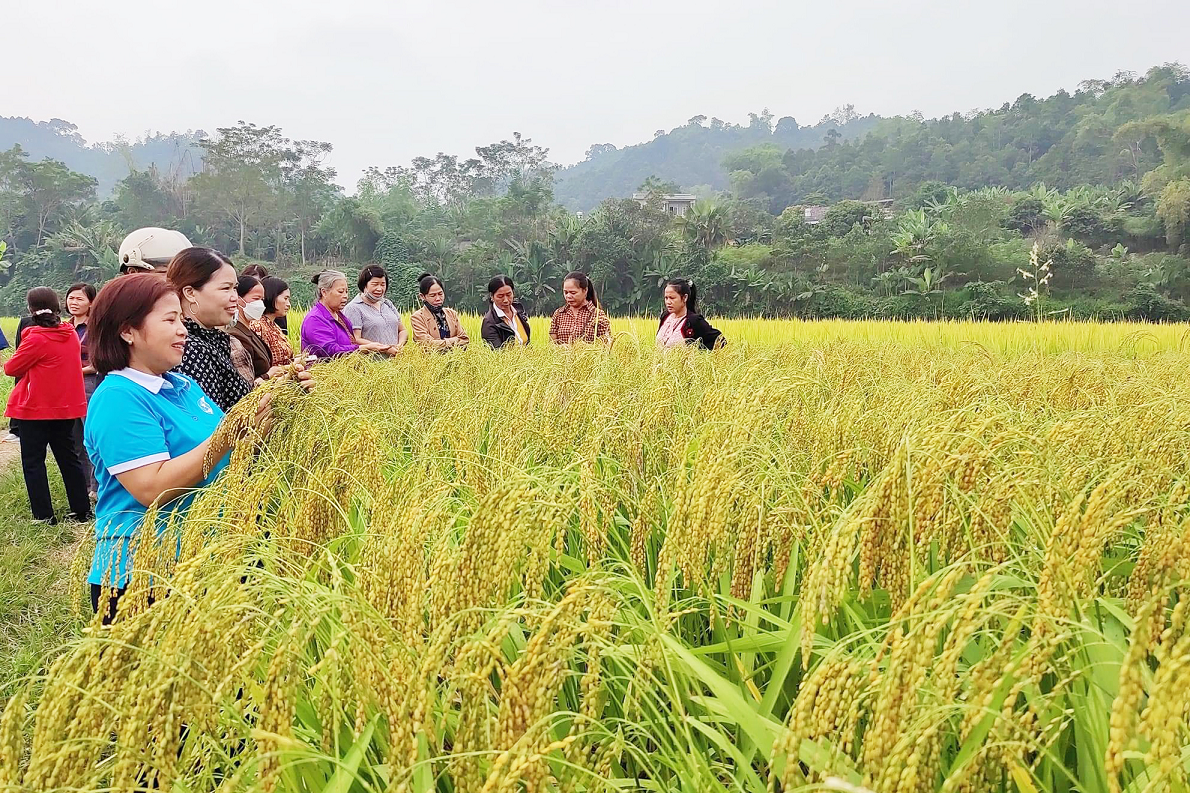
<point>253,358</point>
<point>435,326</point>
<point>259,271</point>
<point>373,316</point>
<point>506,322</point>
<point>326,330</point>
<point>268,328</point>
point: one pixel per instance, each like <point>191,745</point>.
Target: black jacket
<point>696,330</point>
<point>496,332</point>
<point>26,322</point>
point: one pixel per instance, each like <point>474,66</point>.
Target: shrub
<point>1026,216</point>
<point>992,300</point>
<point>392,249</point>
<point>1146,303</point>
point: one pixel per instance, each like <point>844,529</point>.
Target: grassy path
<point>36,599</point>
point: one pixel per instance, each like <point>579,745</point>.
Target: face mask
<point>254,310</point>
<point>370,298</point>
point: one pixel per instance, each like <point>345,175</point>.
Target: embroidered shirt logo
<point>202,404</point>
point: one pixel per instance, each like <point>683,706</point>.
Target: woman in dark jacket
<point>505,322</point>
<point>253,356</point>
<point>681,323</point>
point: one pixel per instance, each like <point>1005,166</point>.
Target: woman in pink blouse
<point>681,324</point>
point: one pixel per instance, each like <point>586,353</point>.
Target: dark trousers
<point>81,447</point>
<point>58,434</point>
<point>110,598</point>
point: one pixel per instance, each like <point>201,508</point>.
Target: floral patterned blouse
<point>208,362</point>
<point>266,328</point>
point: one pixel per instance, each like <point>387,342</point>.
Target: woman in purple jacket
<point>326,332</point>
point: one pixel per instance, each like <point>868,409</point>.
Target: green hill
<point>1095,136</point>
<point>692,155</point>
<point>174,154</point>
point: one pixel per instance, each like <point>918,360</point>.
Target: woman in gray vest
<point>373,316</point>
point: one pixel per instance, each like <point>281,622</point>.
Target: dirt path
<point>61,556</point>
<point>9,452</point>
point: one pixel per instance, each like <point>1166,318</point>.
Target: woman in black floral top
<point>206,283</point>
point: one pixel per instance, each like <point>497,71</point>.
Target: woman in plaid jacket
<point>581,319</point>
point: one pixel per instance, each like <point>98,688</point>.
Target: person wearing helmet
<point>149,249</point>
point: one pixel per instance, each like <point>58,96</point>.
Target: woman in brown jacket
<point>252,355</point>
<point>435,326</point>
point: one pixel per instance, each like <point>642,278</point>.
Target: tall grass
<point>1128,339</point>
<point>941,558</point>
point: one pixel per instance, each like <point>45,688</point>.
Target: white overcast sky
<point>386,80</point>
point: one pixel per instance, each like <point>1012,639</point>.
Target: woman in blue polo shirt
<point>148,429</point>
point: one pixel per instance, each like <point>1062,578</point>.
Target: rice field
<point>844,556</point>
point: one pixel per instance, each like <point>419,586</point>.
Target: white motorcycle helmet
<point>145,250</point>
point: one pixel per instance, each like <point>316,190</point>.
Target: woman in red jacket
<point>48,400</point>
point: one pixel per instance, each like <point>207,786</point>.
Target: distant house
<point>675,204</point>
<point>815,214</point>
<point>885,205</point>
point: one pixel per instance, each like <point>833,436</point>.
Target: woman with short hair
<point>435,326</point>
<point>326,330</point>
<point>150,428</point>
<point>681,324</point>
<point>506,322</point>
<point>49,400</point>
<point>374,318</point>
<point>581,319</point>
<point>276,305</point>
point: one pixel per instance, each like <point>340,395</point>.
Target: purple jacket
<point>323,336</point>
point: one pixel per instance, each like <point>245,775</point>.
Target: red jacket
<point>51,384</point>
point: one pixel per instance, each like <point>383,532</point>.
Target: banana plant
<point>535,269</point>
<point>929,283</point>
<point>90,243</point>
<point>916,234</point>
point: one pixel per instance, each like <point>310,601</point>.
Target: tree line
<point>924,219</point>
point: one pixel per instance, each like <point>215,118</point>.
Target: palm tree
<point>440,250</point>
<point>706,226</point>
<point>564,236</point>
<point>535,271</point>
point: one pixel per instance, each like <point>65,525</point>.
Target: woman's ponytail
<point>44,307</point>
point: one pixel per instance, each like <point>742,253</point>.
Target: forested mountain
<point>1063,140</point>
<point>175,154</point>
<point>691,156</point>
<point>1090,137</point>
